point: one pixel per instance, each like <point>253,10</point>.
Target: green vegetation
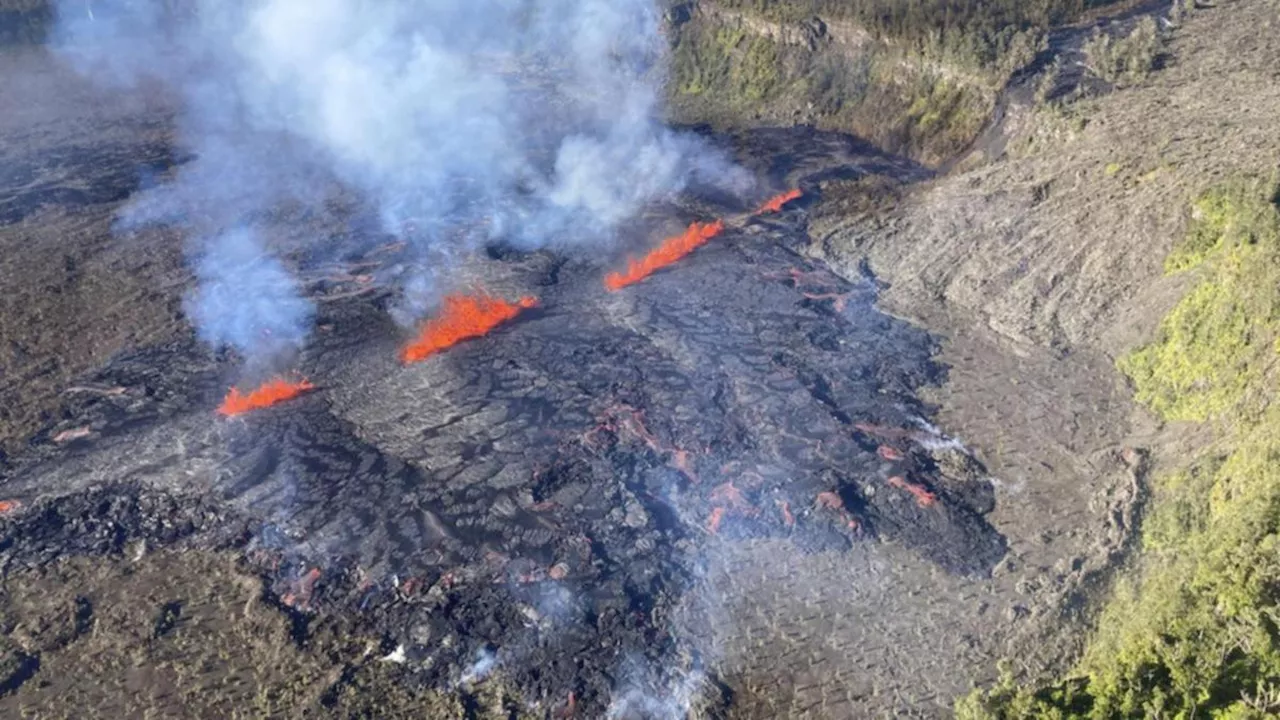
<point>1196,631</point>
<point>920,77</point>
<point>728,59</point>
<point>724,71</point>
<point>1214,350</point>
<point>1128,60</point>
<point>1048,82</point>
<point>975,33</point>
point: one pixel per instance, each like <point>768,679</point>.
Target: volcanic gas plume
<point>462,317</point>
<point>671,250</point>
<point>268,394</point>
<point>775,203</point>
<point>443,116</point>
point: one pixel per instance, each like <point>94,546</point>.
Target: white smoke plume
<point>650,693</point>
<point>245,298</point>
<point>534,121</point>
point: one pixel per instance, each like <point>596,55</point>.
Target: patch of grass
<point>756,76</point>
<point>1213,351</point>
<point>924,85</point>
<point>1127,60</point>
<point>944,115</point>
<point>1195,631</point>
<point>739,67</point>
<point>1047,85</point>
<point>1236,214</point>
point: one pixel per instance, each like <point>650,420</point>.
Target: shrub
<point>1212,349</point>
<point>1048,82</point>
<point>1128,60</point>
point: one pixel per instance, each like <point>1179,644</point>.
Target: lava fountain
<point>671,250</point>
<point>462,317</point>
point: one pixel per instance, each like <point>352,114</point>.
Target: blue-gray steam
<point>534,121</point>
<point>246,299</point>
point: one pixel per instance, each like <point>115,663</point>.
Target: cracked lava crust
<point>542,495</point>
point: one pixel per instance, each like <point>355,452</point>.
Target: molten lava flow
<point>680,460</point>
<point>671,250</point>
<point>775,203</point>
<point>730,497</point>
<point>72,434</point>
<point>620,419</point>
<point>8,506</point>
<point>461,318</point>
<point>889,453</point>
<point>305,585</point>
<point>832,501</point>
<point>714,520</point>
<point>787,517</point>
<point>270,393</point>
<point>829,500</point>
<point>923,497</point>
<point>838,300</point>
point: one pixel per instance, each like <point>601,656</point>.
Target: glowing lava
<point>889,453</point>
<point>671,250</point>
<point>462,317</point>
<point>775,203</point>
<point>923,497</point>
<point>269,393</point>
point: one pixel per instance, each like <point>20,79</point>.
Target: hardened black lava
<point>537,500</point>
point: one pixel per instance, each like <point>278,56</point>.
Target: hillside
<point>1139,227</point>
<point>920,79</point>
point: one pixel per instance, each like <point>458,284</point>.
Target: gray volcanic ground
<point>537,501</point>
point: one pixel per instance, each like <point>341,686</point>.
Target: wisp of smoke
<point>536,120</point>
<point>484,664</point>
<point>245,298</point>
<point>649,693</point>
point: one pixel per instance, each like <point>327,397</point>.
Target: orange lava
<point>305,586</point>
<point>889,453</point>
<point>832,501</point>
<point>671,250</point>
<point>829,500</point>
<point>730,497</point>
<point>8,506</point>
<point>568,710</point>
<point>787,517</point>
<point>680,460</point>
<point>620,418</point>
<point>838,300</point>
<point>73,434</point>
<point>775,203</point>
<point>923,497</point>
<point>266,395</point>
<point>462,317</point>
<point>713,522</point>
